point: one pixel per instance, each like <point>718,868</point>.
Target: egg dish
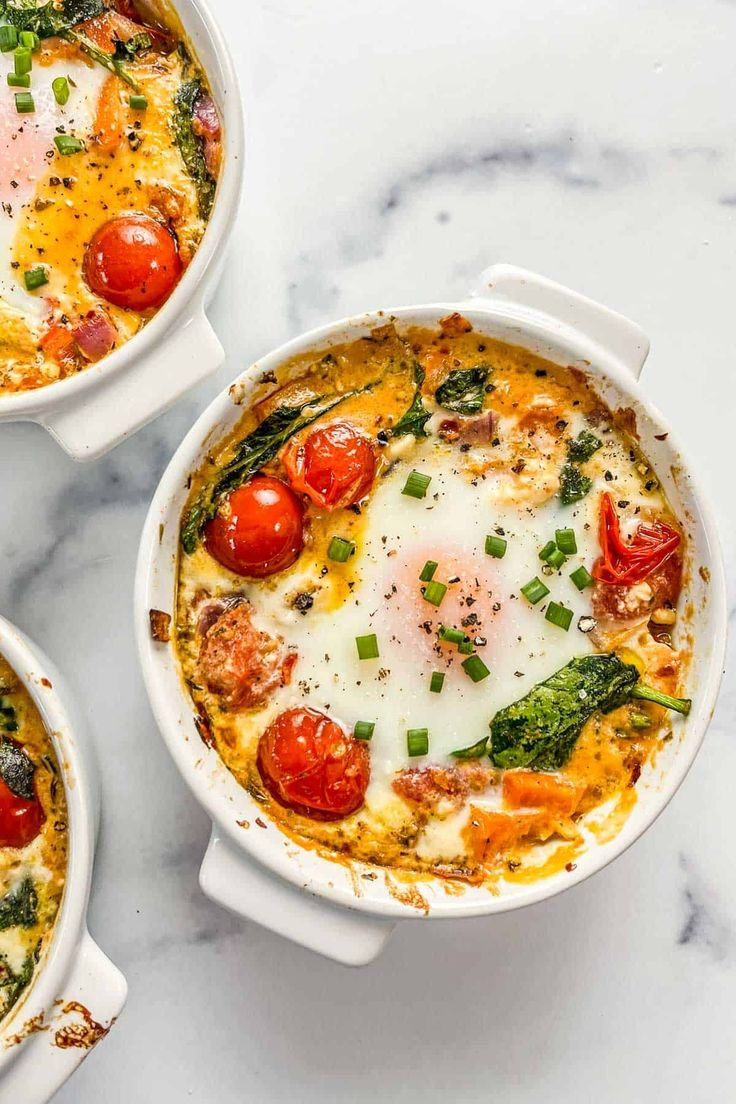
<point>33,838</point>
<point>427,605</point>
<point>110,149</point>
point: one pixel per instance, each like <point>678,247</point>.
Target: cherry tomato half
<point>258,529</point>
<point>133,261</point>
<point>311,765</point>
<point>335,465</point>
<point>20,818</point>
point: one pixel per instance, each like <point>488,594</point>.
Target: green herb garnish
<point>19,907</point>
<point>462,391</point>
<point>416,417</point>
<point>191,145</point>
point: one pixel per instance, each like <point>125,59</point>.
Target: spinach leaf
<point>191,145</point>
<point>19,907</point>
<point>573,484</point>
<point>12,984</point>
<point>462,391</point>
<point>131,47</point>
<point>541,729</point>
<point>251,454</point>
<point>416,417</point>
<point>8,719</point>
<point>16,769</point>
<point>583,446</point>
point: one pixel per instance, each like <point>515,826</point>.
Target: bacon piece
<point>427,786</point>
<point>206,124</point>
<point>95,335</point>
<point>241,664</point>
<point>455,324</point>
<point>160,625</point>
<point>632,603</point>
<point>471,429</point>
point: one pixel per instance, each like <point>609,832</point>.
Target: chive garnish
<point>434,592</point>
<point>556,559</point>
<point>475,751</point>
<point>558,615</point>
<point>547,550</point>
<point>367,646</point>
<point>363,730</point>
<point>452,636</point>
<point>8,39</point>
<point>581,577</point>
<point>35,278</point>
<point>427,572</point>
<point>67,145</point>
<point>535,590</point>
<point>475,668</point>
<point>24,104</point>
<point>22,60</point>
<point>466,647</point>
<point>339,549</point>
<point>416,484</point>
<point>60,88</point>
<point>436,682</point>
<point>138,103</point>
<point>22,81</point>
<point>417,741</point>
<point>566,541</point>
<point>29,40</point>
<point>496,547</point>
<point>640,721</point>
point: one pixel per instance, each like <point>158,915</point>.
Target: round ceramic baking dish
<point>297,892</point>
<point>94,411</point>
<point>76,993</point>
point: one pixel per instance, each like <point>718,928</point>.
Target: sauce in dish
<point>109,156</point>
<point>33,839</point>
<point>427,605</point>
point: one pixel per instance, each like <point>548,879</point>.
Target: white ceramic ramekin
<point>94,411</point>
<point>74,979</point>
<point>296,892</point>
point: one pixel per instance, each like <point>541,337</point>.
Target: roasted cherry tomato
<point>335,465</point>
<point>258,530</point>
<point>311,765</point>
<point>20,818</point>
<point>133,261</point>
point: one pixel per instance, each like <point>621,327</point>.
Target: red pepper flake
<point>569,867</point>
<point>261,823</point>
<point>45,682</point>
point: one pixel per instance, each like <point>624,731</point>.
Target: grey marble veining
<point>394,150</point>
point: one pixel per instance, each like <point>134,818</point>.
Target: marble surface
<point>393,151</point>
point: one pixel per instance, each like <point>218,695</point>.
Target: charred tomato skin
<point>334,466</point>
<point>133,261</point>
<point>311,765</point>
<point>258,529</point>
<point>21,819</point>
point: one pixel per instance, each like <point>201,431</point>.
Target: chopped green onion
<point>558,615</point>
<point>436,682</point>
<point>428,571</point>
<point>581,577</point>
<point>416,484</point>
<point>35,278</point>
<point>60,87</point>
<point>22,60</point>
<point>24,104</point>
<point>556,559</point>
<point>475,668</point>
<point>473,752</point>
<point>548,549</point>
<point>640,721</point>
<point>648,693</point>
<point>367,646</point>
<point>417,741</point>
<point>434,592</point>
<point>466,647</point>
<point>535,590</point>
<point>496,547</point>
<point>23,81</point>
<point>29,40</point>
<point>8,39</point>
<point>339,549</point>
<point>452,636</point>
<point>566,542</point>
<point>363,730</point>
<point>66,145</point>
<point>138,103</point>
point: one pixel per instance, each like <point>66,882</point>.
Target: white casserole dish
<point>253,872</point>
<point>94,411</point>
<point>73,973</point>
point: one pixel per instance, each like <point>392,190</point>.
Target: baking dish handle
<point>138,393</point>
<point>613,332</point>
<point>88,1005</point>
<point>245,887</point>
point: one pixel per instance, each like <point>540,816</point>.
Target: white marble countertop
<point>395,149</point>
